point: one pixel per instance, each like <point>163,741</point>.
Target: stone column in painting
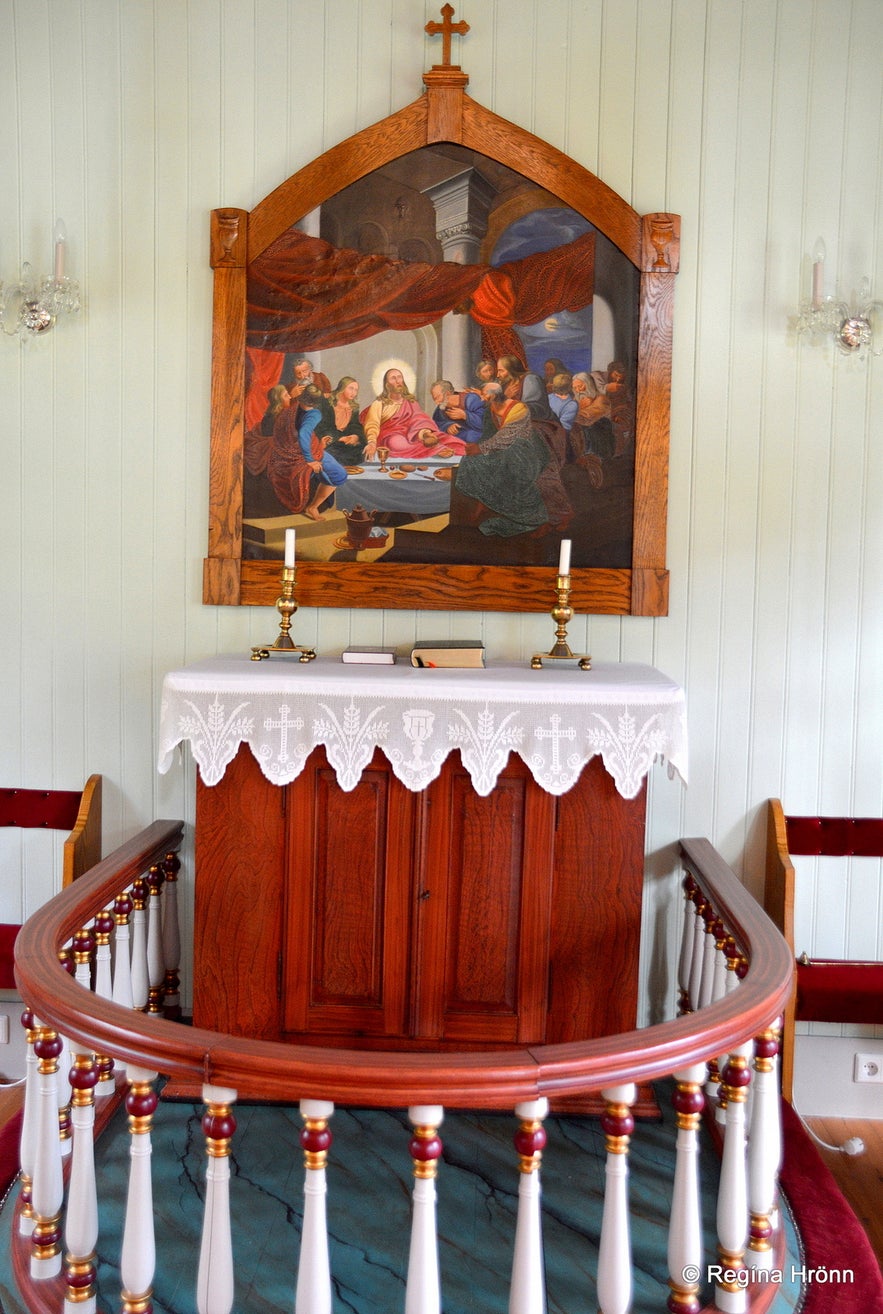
<point>462,204</point>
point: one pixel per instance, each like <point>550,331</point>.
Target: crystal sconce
<point>31,306</point>
<point>855,329</point>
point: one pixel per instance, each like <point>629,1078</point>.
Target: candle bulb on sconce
<point>60,239</point>
<point>818,273</point>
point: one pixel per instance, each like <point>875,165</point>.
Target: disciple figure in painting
<point>516,475</point>
<point>303,475</point>
<point>278,399</point>
<point>340,426</point>
<point>395,421</point>
<point>520,384</point>
<point>592,430</point>
<point>304,375</point>
<point>458,414</point>
<point>622,406</point>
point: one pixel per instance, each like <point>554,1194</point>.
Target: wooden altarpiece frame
<point>443,114</point>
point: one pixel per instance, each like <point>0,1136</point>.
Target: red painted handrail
<point>278,1071</point>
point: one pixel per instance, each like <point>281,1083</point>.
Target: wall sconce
<point>853,329</point>
<point>31,306</point>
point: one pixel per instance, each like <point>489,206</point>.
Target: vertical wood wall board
<point>239,126</point>
<point>617,90</point>
<point>753,49</point>
<point>276,94</point>
<point>67,528</point>
<point>584,120</point>
<point>514,92</point>
<point>553,59</point>
<point>652,110</point>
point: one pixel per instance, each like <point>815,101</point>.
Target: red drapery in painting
<point>263,372</point>
<point>305,295</point>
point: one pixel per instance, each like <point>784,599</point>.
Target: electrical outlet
<point>4,1028</point>
<point>867,1067</point>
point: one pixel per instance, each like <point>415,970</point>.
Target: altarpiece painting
<point>435,361</point>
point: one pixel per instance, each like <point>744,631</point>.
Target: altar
<point>400,858</point>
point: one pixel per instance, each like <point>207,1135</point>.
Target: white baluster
<point>764,1150</point>
<point>171,936</point>
<point>81,1223</point>
<point>735,963</point>
<point>423,1290</point>
<point>156,968</point>
<point>709,955</point>
<point>47,1189</point>
<point>81,1219</point>
<point>138,1256</point>
<point>65,1058</point>
<point>104,924</point>
<point>719,985</point>
<point>698,952</point>
<point>103,927</point>
<point>685,960</point>
<point>27,1149</point>
<point>214,1283</point>
<point>527,1291</point>
<point>314,1266</point>
<point>615,1248</point>
<point>122,967</point>
<point>732,1201</point>
<point>138,923</point>
<point>685,1224</point>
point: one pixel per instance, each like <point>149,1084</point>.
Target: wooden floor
<point>860,1177</point>
<point>10,1101</point>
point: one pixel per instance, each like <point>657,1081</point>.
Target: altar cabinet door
<point>351,859</point>
<point>240,889</point>
<point>483,910</point>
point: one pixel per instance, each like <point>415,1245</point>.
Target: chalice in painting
<point>383,457</point>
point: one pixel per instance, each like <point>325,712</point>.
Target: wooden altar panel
<point>596,908</point>
<point>237,941</point>
<point>484,909</point>
<point>349,880</point>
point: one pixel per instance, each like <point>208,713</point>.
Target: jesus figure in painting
<point>394,420</point>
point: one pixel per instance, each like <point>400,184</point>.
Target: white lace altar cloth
<point>556,719</point>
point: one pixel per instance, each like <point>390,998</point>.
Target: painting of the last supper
<point>441,368</point>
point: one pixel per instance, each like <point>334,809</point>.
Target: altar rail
<point>734,977</point>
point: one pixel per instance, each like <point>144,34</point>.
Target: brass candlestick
<point>561,613</point>
<point>286,605</point>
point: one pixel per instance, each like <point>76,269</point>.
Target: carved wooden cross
<point>446,27</point>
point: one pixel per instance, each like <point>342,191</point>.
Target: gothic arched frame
<point>444,113</point>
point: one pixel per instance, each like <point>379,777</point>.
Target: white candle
<point>564,557</point>
<point>289,548</point>
<point>818,273</point>
<point>60,239</point>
